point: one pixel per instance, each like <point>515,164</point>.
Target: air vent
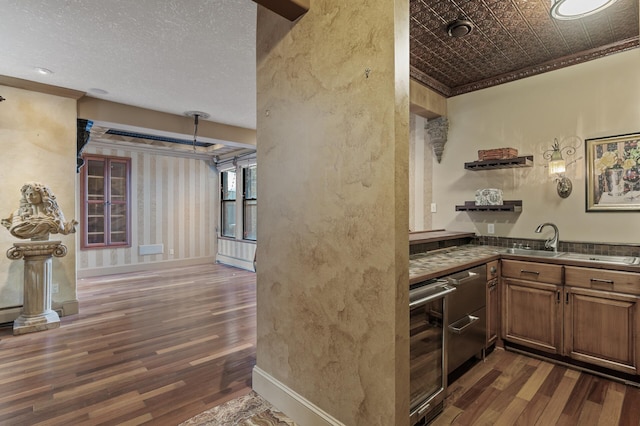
<point>156,138</point>
<point>459,28</point>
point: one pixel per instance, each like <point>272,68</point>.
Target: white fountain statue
<point>36,218</point>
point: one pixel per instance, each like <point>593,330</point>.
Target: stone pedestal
<point>37,314</point>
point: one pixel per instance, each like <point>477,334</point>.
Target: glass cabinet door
<point>118,204</point>
<point>96,202</point>
<point>106,204</point>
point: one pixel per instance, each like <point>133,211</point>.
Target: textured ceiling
<point>179,55</point>
<point>170,55</point>
<point>512,39</point>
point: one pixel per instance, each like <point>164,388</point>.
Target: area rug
<point>247,410</point>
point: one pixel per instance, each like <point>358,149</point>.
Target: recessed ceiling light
<point>44,71</point>
<point>98,91</point>
<point>576,9</point>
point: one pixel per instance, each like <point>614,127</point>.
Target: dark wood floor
<point>512,389</point>
<point>147,348</point>
<point>160,347</point>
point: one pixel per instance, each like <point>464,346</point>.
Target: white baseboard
<point>69,307</point>
<point>140,267</point>
<point>10,314</point>
<point>234,261</point>
<point>294,405</point>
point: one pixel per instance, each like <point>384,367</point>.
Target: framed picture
<point>613,173</point>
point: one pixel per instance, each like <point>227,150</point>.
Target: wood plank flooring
<point>147,348</point>
<point>512,389</point>
<point>160,347</point>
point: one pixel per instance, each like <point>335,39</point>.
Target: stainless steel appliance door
<point>471,292</point>
<point>466,338</point>
<point>427,331</point>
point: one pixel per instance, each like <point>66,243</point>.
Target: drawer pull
<point>524,271</point>
<point>597,280</point>
<point>470,320</point>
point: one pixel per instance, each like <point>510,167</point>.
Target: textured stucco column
<point>332,281</point>
<point>37,314</point>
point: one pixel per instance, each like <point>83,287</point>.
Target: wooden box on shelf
<point>497,154</point>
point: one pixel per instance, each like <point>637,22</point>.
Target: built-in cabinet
<point>493,302</point>
<point>532,314</point>
<point>602,318</point>
<point>586,314</point>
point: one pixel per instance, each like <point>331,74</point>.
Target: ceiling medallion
<point>576,9</point>
<point>459,28</point>
<point>196,115</point>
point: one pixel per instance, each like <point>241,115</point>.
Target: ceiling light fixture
<point>98,91</point>
<point>576,9</point>
<point>196,116</point>
<point>44,71</point>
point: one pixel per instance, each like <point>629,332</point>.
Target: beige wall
<point>421,160</point>
<point>38,140</point>
<point>594,99</point>
<point>333,213</point>
<point>173,203</point>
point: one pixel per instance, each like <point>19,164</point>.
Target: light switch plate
<point>491,229</point>
<point>433,207</point>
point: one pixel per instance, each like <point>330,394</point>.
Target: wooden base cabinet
<point>493,303</point>
<point>601,327</point>
<point>532,314</point>
<point>531,305</point>
<point>587,314</point>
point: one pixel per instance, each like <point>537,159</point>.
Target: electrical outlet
<point>434,208</point>
<point>54,288</point>
<point>171,251</point>
<point>491,229</point>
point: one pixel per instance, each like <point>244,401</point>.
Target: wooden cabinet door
<point>493,302</point>
<point>532,314</point>
<point>601,328</point>
<point>493,311</point>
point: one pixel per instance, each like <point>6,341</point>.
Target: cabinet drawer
<point>532,271</point>
<point>602,279</point>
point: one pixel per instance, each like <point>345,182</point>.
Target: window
<point>228,203</point>
<point>105,205</point>
<point>250,200</point>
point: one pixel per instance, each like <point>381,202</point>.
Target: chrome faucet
<point>552,242</point>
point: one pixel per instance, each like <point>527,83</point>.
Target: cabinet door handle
<point>566,300</point>
<point>524,271</point>
<point>558,296</point>
<point>597,280</point>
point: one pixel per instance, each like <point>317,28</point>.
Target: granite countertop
<point>438,263</point>
<point>437,235</point>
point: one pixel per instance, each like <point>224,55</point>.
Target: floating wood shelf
<point>508,206</point>
<point>525,161</point>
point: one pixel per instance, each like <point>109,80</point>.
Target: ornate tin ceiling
<point>511,39</point>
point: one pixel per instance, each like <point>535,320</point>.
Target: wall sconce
<point>576,9</point>
<point>558,165</point>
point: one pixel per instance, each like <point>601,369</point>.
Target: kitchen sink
<point>617,260</point>
<point>535,253</point>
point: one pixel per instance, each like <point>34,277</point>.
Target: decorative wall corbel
<point>438,129</point>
